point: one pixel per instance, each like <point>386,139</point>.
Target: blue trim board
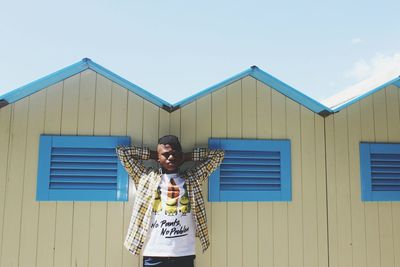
<point>214,88</point>
<point>214,185</point>
<point>86,63</point>
<point>269,80</point>
<point>365,171</point>
<point>44,82</point>
<point>74,69</point>
<point>395,81</point>
<point>82,195</point>
<point>289,91</point>
<point>254,72</point>
<point>128,85</point>
<point>43,177</point>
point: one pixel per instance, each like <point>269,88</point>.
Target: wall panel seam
<point>24,174</point>
<point>349,184</point>
<point>316,181</point>
<point>301,188</point>
<point>326,192</point>
<point>11,123</point>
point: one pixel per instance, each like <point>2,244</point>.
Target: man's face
<point>169,158</point>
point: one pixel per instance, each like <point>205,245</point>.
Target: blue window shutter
<point>81,168</point>
<point>380,171</point>
<point>252,170</point>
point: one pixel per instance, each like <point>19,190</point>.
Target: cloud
<point>356,40</point>
<point>378,65</point>
<point>368,75</point>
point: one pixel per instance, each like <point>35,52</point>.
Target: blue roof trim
<point>44,82</point>
<point>128,85</point>
<point>214,88</point>
<point>74,69</point>
<point>254,72</point>
<point>269,80</point>
<point>395,81</point>
<point>289,91</point>
<point>86,63</point>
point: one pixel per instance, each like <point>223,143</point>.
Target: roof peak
<point>87,63</point>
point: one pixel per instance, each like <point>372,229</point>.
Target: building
<point>313,215</point>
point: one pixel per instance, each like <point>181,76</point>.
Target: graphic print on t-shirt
<point>171,207</point>
<point>184,205</point>
<point>172,228</point>
<point>173,203</point>
<point>157,206</point>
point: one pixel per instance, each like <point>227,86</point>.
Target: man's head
<point>169,153</point>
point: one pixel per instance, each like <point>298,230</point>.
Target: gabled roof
<point>71,70</point>
<point>86,63</point>
<point>269,80</point>
<point>361,90</point>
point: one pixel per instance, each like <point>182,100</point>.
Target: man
<point>169,211</point>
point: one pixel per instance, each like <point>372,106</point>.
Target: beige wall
<point>265,233</point>
<point>361,233</point>
<point>67,233</point>
<point>249,234</point>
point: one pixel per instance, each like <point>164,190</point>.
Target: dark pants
<point>186,261</point>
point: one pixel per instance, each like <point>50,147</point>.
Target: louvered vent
<point>83,168</point>
<point>251,171</point>
<point>385,172</point>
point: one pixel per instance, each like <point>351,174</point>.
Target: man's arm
<point>208,161</point>
<point>132,160</point>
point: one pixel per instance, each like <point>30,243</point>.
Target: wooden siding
<point>263,233</point>
<point>5,135</point>
<point>361,233</point>
<point>91,233</point>
<point>67,233</point>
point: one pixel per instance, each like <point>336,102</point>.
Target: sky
<point>176,48</point>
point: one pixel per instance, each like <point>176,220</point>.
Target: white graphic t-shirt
<point>172,229</point>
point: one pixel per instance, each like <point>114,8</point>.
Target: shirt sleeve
<point>132,160</point>
<point>208,161</point>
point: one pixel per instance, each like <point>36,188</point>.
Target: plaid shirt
<point>147,181</point>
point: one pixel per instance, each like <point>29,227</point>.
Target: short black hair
<point>171,140</point>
